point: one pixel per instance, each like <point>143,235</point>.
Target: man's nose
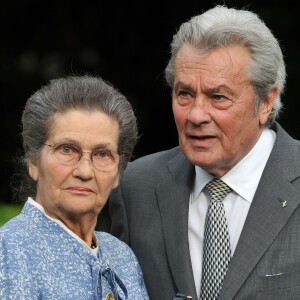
<point>200,111</point>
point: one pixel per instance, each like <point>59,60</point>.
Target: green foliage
<point>8,211</point>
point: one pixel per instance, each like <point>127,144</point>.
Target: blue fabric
<point>41,260</point>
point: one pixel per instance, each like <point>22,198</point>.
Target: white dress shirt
<point>243,180</point>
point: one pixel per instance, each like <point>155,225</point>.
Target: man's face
<point>214,107</point>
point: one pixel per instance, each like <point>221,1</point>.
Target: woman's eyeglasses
<point>103,159</point>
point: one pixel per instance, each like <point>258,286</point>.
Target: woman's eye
<point>66,149</point>
<point>102,153</point>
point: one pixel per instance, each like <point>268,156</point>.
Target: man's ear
<point>267,105</point>
<point>33,170</point>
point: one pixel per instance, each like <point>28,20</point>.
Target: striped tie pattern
<point>216,248</point>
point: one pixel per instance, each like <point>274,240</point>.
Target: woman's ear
<point>116,183</point>
<point>33,170</point>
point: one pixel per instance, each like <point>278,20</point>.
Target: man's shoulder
<point>156,159</point>
<point>284,140</point>
<point>285,156</point>
<point>152,165</point>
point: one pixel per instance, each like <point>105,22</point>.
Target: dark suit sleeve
<point>118,215</point>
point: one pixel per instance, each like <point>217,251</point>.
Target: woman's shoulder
<point>24,228</point>
<point>15,226</point>
<point>112,246</point>
<point>106,240</point>
<point>119,257</point>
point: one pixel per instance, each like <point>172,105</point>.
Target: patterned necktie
<point>216,247</point>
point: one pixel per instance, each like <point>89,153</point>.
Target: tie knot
<point>217,189</point>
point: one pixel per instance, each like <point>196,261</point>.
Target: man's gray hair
<point>221,27</point>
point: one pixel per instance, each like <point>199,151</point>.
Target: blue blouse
<point>40,260</point>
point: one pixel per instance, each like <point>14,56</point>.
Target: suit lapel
<point>266,216</point>
<point>173,200</point>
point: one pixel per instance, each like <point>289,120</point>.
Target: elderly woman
<point>79,134</point>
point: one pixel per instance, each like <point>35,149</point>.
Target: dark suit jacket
<point>149,211</point>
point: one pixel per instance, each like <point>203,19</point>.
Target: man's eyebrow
<point>181,84</point>
<point>210,89</point>
<point>217,88</point>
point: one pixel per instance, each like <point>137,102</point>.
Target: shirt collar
<point>61,224</point>
<point>244,177</point>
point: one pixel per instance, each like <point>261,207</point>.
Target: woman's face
<point>68,192</point>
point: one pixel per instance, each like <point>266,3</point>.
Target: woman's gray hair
<point>221,27</point>
<point>87,93</point>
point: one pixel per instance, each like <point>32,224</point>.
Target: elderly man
<point>218,217</point>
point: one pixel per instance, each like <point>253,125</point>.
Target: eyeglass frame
<point>115,155</point>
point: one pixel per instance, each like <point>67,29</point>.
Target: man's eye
<point>221,101</point>
<point>218,97</point>
<point>183,94</point>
